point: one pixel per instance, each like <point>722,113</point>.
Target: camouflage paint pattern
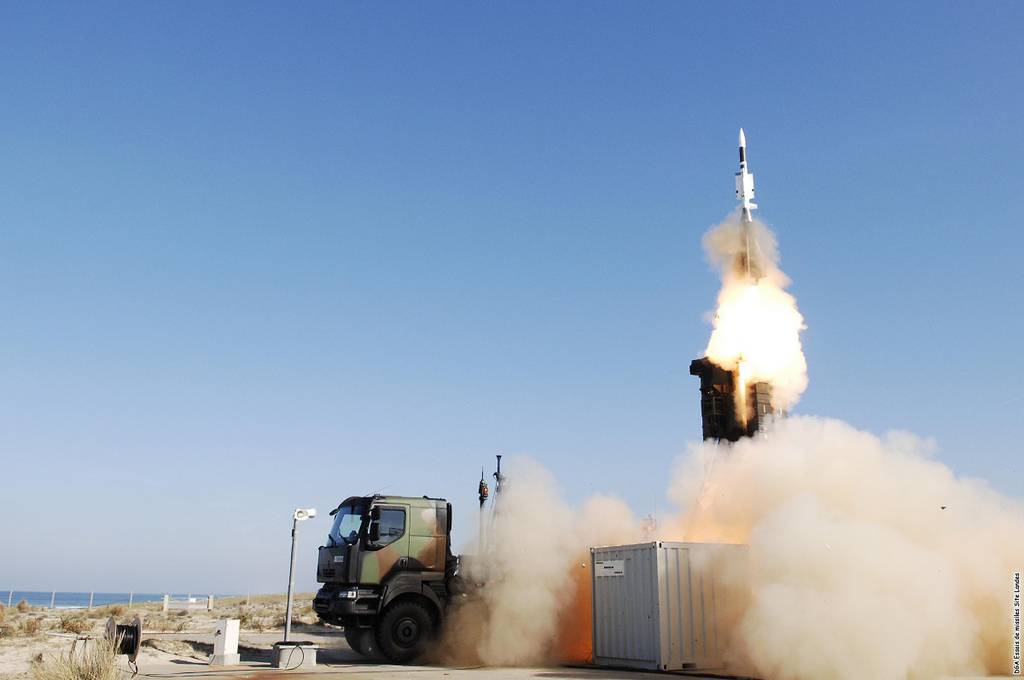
<point>421,546</point>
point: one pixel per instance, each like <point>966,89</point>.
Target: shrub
<point>246,619</point>
<point>30,626</point>
<point>3,613</point>
<point>22,606</point>
<point>98,661</point>
<point>159,623</point>
<point>7,631</point>
<point>107,611</point>
<point>74,624</point>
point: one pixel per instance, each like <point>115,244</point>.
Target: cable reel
<point>126,639</point>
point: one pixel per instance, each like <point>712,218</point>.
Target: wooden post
<point>209,603</point>
<point>10,596</point>
<point>131,596</point>
<point>90,600</point>
<point>167,602</point>
<point>53,599</point>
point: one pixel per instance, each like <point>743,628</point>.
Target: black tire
<point>404,632</point>
<point>362,641</point>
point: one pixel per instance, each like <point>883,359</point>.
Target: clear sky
<point>266,255</point>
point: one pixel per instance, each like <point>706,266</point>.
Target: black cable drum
<point>127,638</point>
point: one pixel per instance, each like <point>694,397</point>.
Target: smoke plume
<point>756,324</point>
<point>534,606</point>
<point>868,559</point>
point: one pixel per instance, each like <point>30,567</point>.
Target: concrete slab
<point>336,658</point>
<point>293,655</point>
<point>368,671</point>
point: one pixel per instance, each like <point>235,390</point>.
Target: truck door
<point>390,548</point>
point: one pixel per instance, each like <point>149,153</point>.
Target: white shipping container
<point>665,606</point>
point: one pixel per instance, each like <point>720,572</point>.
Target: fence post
<point>10,596</point>
<point>53,599</point>
<point>167,602</point>
<point>209,603</point>
<point>131,596</point>
<point>90,600</point>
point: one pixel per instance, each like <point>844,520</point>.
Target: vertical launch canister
<point>718,402</point>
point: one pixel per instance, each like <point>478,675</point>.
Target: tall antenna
<point>484,493</point>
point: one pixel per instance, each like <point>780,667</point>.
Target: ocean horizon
<point>80,600</point>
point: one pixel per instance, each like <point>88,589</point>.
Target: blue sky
<point>261,255</point>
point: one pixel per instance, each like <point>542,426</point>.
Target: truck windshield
<point>347,520</point>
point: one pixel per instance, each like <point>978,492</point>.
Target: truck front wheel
<point>362,641</point>
<point>404,631</point>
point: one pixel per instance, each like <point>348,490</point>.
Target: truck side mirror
<point>373,531</point>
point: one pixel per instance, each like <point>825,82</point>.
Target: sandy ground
<point>178,644</point>
<point>25,635</point>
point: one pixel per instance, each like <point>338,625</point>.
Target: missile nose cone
<point>743,138</point>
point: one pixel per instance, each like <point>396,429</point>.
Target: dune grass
<point>96,661</point>
<point>106,611</point>
<point>72,623</point>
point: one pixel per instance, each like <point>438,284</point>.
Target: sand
<point>177,634</point>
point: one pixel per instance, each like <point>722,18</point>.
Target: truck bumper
<point>346,605</point>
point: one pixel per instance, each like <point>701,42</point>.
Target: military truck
<point>388,573</point>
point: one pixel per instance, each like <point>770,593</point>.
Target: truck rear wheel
<point>404,631</point>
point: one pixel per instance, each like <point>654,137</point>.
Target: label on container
<point>609,567</point>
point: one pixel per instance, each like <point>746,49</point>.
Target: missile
<point>745,195</point>
<point>745,182</point>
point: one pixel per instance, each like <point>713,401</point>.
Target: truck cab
<point>387,573</point>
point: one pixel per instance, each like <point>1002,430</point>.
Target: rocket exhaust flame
<point>756,326</point>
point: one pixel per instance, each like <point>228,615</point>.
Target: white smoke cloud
<point>868,559</point>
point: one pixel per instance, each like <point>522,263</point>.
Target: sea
<point>81,600</point>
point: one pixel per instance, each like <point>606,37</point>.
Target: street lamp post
<point>300,515</point>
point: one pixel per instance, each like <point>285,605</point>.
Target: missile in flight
<point>745,181</point>
<point>745,195</point>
